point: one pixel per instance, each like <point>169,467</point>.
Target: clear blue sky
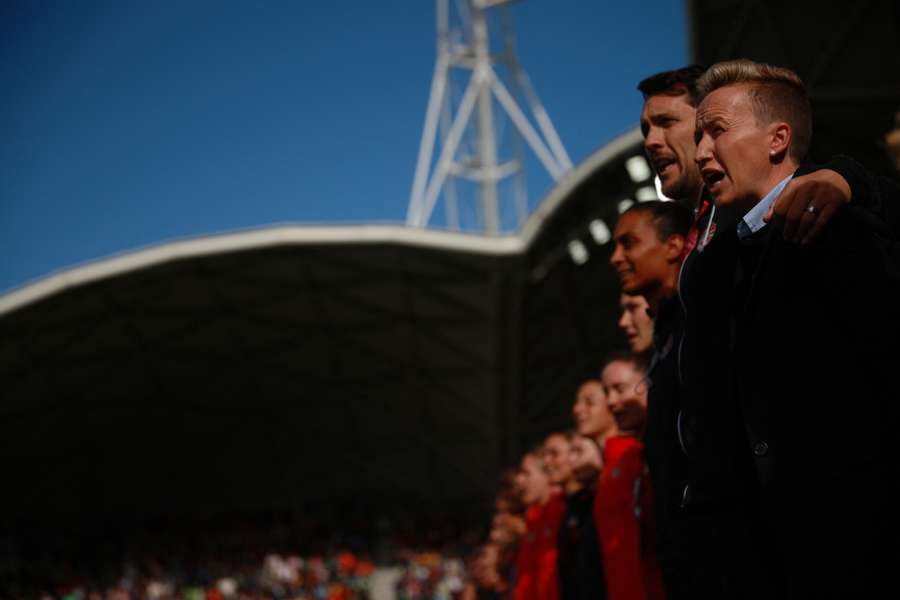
<point>127,123</point>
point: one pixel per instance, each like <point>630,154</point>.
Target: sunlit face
<point>733,151</point>
<point>532,480</point>
<point>584,456</point>
<point>635,323</point>
<point>591,412</point>
<point>556,459</point>
<point>626,393</point>
<point>640,258</point>
<point>668,125</point>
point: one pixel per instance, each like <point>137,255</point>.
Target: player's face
<point>668,125</point>
<point>635,323</point>
<point>639,257</point>
<point>556,459</point>
<point>627,395</point>
<point>733,151</point>
<point>591,411</point>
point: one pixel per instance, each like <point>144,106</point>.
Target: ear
<point>674,247</point>
<point>780,139</point>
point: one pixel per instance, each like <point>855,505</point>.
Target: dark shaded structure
<point>847,53</point>
<point>308,367</point>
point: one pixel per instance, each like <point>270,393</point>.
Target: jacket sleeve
<point>875,199</point>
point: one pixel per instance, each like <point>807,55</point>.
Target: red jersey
<point>624,518</point>
<point>536,573</point>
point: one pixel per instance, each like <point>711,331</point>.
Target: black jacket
<point>761,367</point>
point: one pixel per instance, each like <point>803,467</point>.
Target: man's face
<point>591,412</point>
<point>639,257</point>
<point>532,481</point>
<point>636,323</point>
<point>668,125</point>
<point>627,396</point>
<point>732,149</point>
<point>585,459</point>
<point>556,459</point>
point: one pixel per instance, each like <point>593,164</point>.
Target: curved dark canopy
<point>306,365</point>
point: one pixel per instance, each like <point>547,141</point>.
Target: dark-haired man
<point>778,361</point>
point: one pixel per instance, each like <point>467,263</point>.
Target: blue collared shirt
<point>753,220</point>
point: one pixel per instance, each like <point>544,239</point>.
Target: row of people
<point>756,455</point>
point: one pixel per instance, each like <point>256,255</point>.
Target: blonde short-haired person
<point>789,415</point>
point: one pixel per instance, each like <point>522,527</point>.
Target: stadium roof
<point>292,365</point>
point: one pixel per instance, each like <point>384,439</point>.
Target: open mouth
<point>663,164</point>
<point>711,178</point>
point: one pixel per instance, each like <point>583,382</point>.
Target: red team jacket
<point>623,516</point>
<point>536,573</point>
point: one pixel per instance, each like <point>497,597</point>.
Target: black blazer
<point>789,401</point>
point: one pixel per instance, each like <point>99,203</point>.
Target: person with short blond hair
<point>779,361</point>
<point>775,93</point>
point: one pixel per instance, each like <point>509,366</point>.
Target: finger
<point>780,207</point>
<point>795,212</point>
<point>806,224</point>
<point>802,225</point>
<point>824,217</point>
<point>771,212</point>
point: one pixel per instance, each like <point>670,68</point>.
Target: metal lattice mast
<point>467,47</point>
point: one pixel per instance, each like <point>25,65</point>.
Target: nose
<point>653,141</point>
<point>624,321</point>
<point>704,151</point>
<point>617,256</point>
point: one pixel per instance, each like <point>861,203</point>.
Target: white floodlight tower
<point>466,47</point>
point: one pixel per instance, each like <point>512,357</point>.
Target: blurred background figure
<point>636,323</point>
<point>623,509</point>
<point>591,412</point>
<point>892,141</point>
<point>536,575</point>
<point>579,561</point>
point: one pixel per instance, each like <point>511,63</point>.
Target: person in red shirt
<point>622,505</point>
<point>536,573</point>
<point>591,412</point>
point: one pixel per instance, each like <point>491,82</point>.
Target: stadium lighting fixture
<point>599,231</point>
<point>625,205</point>
<point>646,194</point>
<point>578,252</point>
<point>637,168</point>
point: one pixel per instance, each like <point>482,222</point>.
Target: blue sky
<point>129,123</point>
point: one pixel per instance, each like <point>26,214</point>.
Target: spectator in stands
<point>579,561</point>
<point>489,584</point>
<point>536,575</point>
<point>591,412</point>
<point>623,506</point>
<point>636,323</point>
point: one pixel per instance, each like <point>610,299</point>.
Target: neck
<point>602,437</point>
<point>572,486</point>
<point>666,289</point>
<point>776,174</point>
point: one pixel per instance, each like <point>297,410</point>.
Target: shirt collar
<point>753,220</point>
